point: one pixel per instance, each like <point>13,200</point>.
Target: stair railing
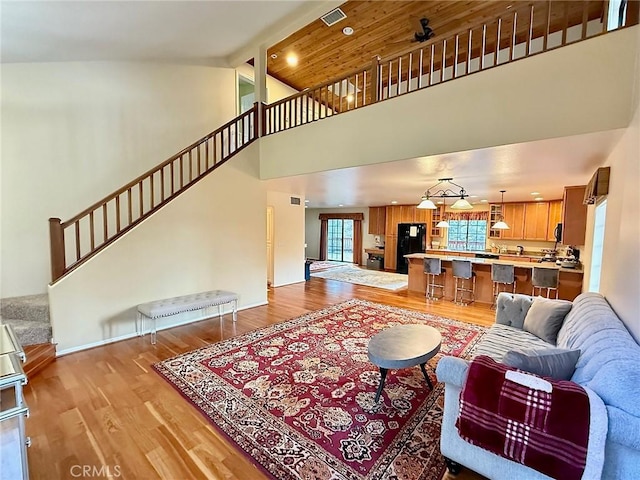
<point>79,238</point>
<point>519,33</point>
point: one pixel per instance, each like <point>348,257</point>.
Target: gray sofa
<point>608,369</point>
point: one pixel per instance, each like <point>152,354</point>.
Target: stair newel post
<point>56,239</point>
<point>375,79</point>
<point>261,113</point>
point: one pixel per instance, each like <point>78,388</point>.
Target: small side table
<point>403,346</point>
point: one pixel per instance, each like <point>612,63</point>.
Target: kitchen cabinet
<point>422,215</point>
<point>393,218</point>
<point>574,216</point>
<point>495,211</point>
<point>407,213</point>
<point>555,217</point>
<point>377,220</point>
<point>390,247</point>
<point>536,220</point>
<point>514,216</point>
<point>436,216</point>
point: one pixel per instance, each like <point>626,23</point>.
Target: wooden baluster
<point>399,75</point>
<point>469,48</point>
<point>443,65</point>
<point>162,184</point>
<point>130,206</point>
<point>151,191</point>
<point>356,88</point>
<point>181,171</point>
<point>173,182</point>
<point>105,226</point>
<point>376,84</point>
<point>529,34</point>
<point>215,149</point>
<point>76,226</point>
<point>484,45</point>
<point>56,244</point>
<point>433,52</point>
<point>364,88</point>
<point>513,35</point>
<point>190,170</point>
<point>565,25</point>
<point>199,161</point>
<point>117,213</point>
<point>420,65</point>
<point>585,19</point>
<point>455,57</point>
<point>545,40</point>
<point>206,155</point>
<point>92,232</point>
<point>389,66</point>
<point>409,67</point>
<point>497,62</point>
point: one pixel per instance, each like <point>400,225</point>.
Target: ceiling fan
<point>422,31</point>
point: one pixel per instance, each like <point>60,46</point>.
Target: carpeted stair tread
<point>33,308</point>
<point>29,332</point>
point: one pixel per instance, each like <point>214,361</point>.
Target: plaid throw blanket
<point>540,423</point>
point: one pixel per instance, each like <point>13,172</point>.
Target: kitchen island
<point>570,279</point>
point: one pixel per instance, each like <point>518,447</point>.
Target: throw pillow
<point>545,318</point>
<point>558,363</point>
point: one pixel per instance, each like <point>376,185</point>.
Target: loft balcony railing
<point>79,238</point>
<point>523,31</point>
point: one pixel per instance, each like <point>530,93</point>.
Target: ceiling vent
<point>333,17</point>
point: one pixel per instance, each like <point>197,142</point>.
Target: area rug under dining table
<point>298,397</point>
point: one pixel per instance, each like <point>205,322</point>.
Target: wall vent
<point>333,17</point>
<point>295,200</point>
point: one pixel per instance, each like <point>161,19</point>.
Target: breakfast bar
<point>570,279</point>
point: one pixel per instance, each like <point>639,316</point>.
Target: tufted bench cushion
<point>185,303</point>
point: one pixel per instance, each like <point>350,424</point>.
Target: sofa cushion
<point>499,339</point>
<point>557,363</point>
<point>545,317</point>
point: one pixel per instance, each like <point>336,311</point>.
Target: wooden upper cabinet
<point>392,219</point>
<point>407,213</point>
<point>536,220</point>
<point>377,220</point>
<point>422,215</point>
<point>514,217</point>
<point>574,216</point>
<point>555,217</point>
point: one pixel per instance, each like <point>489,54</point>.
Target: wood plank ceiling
<point>387,27</point>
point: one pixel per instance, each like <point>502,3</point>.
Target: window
<point>616,15</point>
<point>340,240</point>
<point>598,243</point>
<point>467,234</point>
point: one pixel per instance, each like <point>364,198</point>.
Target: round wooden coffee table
<point>403,346</point>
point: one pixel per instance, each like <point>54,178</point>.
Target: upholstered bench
<point>186,303</point>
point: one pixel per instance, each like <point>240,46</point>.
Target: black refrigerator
<point>412,238</point>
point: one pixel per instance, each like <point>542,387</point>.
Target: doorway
<point>246,94</point>
<point>340,240</point>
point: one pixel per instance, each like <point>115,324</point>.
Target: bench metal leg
<point>154,331</point>
<point>220,311</point>
<point>235,310</point>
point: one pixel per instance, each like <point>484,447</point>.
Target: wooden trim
<point>347,216</point>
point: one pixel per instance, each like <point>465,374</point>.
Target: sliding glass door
<point>340,240</point>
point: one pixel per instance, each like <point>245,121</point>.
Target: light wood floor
<point>106,410</point>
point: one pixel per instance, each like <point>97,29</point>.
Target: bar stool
<point>462,271</point>
<point>502,274</point>
<point>542,278</point>
<point>432,269</point>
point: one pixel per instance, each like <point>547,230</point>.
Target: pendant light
<point>443,223</point>
<point>445,191</point>
<point>501,224</point>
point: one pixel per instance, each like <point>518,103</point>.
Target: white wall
<point>620,275</point>
<point>74,132</point>
<point>288,238</point>
<point>514,103</point>
<point>312,230</point>
<point>211,237</point>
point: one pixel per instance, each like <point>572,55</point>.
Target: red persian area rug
<point>298,397</point>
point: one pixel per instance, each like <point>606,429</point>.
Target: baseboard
<point>102,343</point>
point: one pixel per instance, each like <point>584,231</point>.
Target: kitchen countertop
<point>485,252</point>
<point>490,261</point>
